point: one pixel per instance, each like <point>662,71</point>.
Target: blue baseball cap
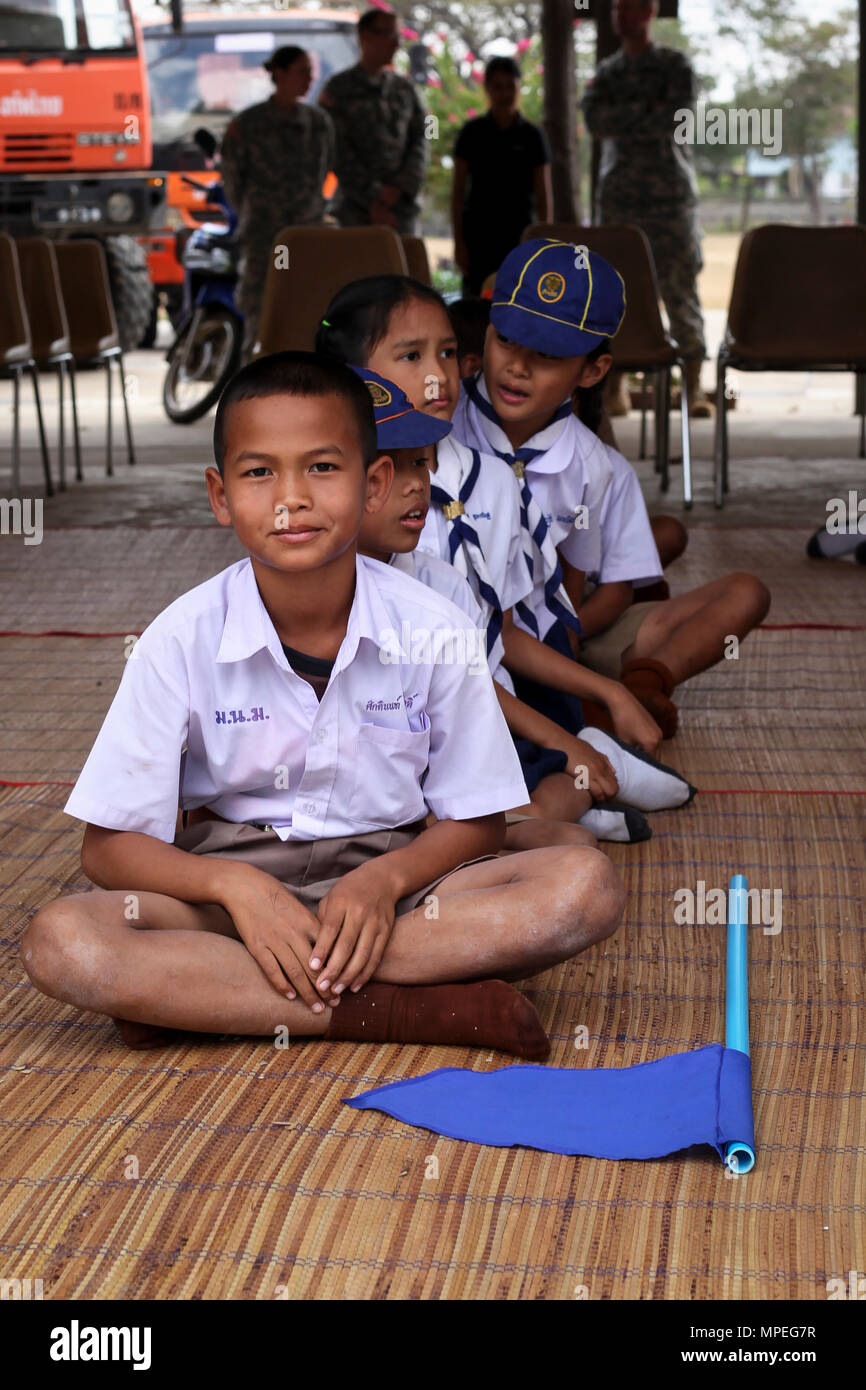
<point>398,424</point>
<point>557,297</point>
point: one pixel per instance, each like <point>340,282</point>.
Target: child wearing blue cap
<point>554,309</point>
<point>421,349</point>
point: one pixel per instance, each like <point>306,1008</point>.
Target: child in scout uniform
<point>407,335</point>
<point>554,310</point>
<point>299,894</point>
<point>482,522</point>
<point>391,534</point>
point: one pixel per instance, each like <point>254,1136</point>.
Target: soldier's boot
<point>617,401</point>
<point>699,407</point>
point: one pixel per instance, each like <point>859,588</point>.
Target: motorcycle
<point>207,348</point>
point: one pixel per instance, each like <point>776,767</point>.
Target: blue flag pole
<point>739,1156</point>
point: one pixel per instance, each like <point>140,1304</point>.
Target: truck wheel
<point>131,289</point>
<point>149,339</point>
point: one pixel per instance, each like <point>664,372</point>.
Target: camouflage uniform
<point>274,162</point>
<point>379,123</point>
<point>647,179</point>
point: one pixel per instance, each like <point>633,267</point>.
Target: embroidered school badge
<point>551,287</point>
<point>380,395</point>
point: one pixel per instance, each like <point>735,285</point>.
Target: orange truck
<point>202,77</point>
<point>75,137</point>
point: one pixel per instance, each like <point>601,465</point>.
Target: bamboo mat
<point>253,1181</point>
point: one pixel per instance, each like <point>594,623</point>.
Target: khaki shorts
<point>310,868</point>
<point>603,653</point>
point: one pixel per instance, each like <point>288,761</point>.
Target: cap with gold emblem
<point>398,424</point>
<point>556,297</point>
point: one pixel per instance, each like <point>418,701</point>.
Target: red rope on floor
<point>36,784</point>
<point>814,627</point>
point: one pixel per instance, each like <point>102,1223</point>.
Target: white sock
<point>643,783</point>
<point>611,821</point>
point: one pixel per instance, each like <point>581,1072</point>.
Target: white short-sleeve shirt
<point>493,511</point>
<point>442,577</point>
<point>402,728</point>
<point>568,479</point>
<point>628,548</point>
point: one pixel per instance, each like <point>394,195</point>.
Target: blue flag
<point>645,1111</point>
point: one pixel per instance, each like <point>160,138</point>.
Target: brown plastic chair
<point>798,303</point>
<point>321,260</point>
<point>16,357</point>
<point>92,325</point>
<point>417,259</point>
<point>49,332</point>
<point>642,343</point>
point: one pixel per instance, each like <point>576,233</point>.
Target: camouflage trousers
<point>350,214</point>
<point>675,240</point>
<point>250,291</point>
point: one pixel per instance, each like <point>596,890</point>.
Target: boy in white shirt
<point>555,307</point>
<point>305,892</point>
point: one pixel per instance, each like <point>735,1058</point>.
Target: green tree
<point>803,69</point>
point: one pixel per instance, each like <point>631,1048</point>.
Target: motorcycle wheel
<point>202,360</point>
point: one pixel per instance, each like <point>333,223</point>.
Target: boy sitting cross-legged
<point>305,891</point>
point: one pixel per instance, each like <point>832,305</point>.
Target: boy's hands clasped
<point>304,955</point>
<point>277,930</point>
<point>356,919</point>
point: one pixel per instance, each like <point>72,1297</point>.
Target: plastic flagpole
<point>739,1156</point>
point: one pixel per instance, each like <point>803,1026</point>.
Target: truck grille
<point>20,151</point>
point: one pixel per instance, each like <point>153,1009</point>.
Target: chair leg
<point>79,474</point>
<point>109,466</point>
<point>130,451</point>
<point>643,389</point>
<point>666,428</point>
<point>16,431</point>
<point>720,440</point>
<point>686,441</point>
<point>61,432</point>
<point>46,462</point>
<point>657,404</point>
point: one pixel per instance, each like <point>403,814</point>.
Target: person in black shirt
<point>501,168</point>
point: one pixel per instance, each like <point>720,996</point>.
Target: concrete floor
<point>793,445</point>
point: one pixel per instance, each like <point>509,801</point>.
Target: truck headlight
<point>120,207</point>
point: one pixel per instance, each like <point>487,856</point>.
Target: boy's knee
<point>753,596</point>
<point>671,538</point>
<point>594,897</point>
<point>59,946</point>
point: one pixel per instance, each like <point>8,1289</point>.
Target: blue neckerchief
<point>524,455</point>
<point>462,533</point>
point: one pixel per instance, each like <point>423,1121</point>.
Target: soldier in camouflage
<point>645,177</point>
<point>380,128</point>
<point>274,160</point>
